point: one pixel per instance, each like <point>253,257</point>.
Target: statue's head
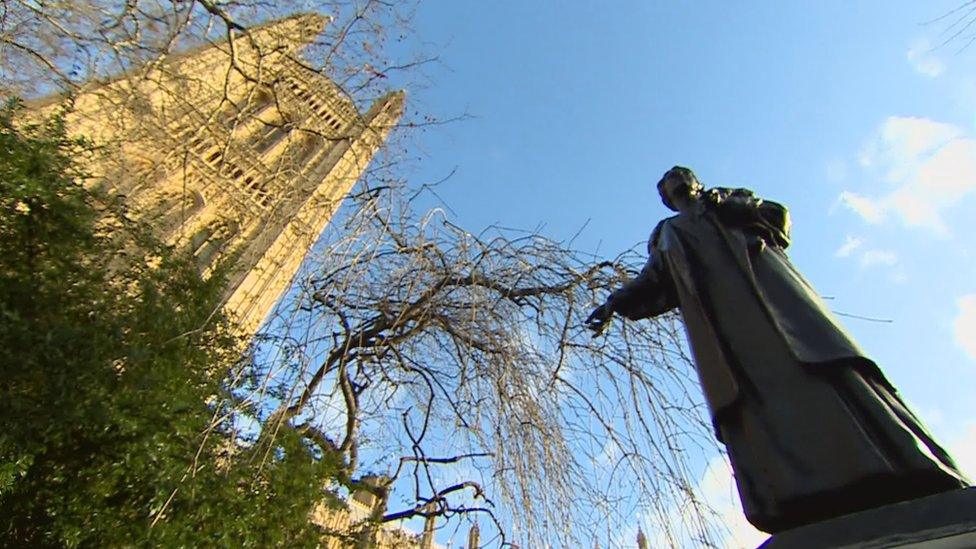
<point>677,183</point>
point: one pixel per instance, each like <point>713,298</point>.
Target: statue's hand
<point>599,319</point>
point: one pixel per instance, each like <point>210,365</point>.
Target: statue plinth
<point>942,521</point>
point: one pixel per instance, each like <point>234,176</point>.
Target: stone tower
<point>236,151</point>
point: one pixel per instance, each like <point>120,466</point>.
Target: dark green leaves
<point>106,366</point>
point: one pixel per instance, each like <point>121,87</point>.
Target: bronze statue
<point>812,427</point>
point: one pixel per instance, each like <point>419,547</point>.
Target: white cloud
<point>921,58</point>
<point>868,209</point>
<point>905,137</point>
<point>916,211</point>
<point>608,455</point>
<point>929,166</point>
<point>964,325</point>
<point>850,244</point>
<point>869,257</point>
<point>718,488</point>
<point>878,257</point>
<point>962,448</point>
<point>718,491</point>
<point>865,159</point>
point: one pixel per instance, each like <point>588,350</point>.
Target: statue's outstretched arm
<point>650,294</point>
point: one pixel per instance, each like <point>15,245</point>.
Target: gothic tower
<point>236,151</point>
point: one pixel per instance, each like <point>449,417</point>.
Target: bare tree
<point>444,372</point>
<point>455,367</point>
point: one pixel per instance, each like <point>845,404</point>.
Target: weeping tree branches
<point>456,367</point>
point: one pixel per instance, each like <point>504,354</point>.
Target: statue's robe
<point>812,427</point>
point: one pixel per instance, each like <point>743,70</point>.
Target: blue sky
<point>851,114</point>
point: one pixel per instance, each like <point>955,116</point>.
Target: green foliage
<point>106,365</point>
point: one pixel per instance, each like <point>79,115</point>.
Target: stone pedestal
<point>942,521</point>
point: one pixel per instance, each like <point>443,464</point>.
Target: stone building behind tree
<point>236,151</point>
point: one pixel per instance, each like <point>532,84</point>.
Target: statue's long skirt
<point>813,441</point>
